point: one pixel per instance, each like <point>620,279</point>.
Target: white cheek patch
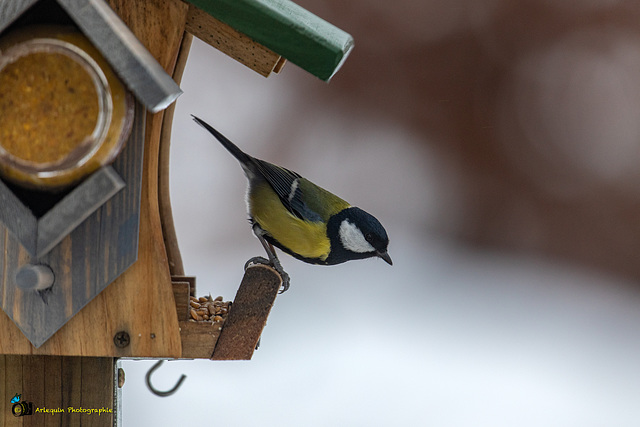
<point>352,238</point>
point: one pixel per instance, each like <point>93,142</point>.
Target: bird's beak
<point>385,256</point>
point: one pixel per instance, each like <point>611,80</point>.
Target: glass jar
<point>63,112</point>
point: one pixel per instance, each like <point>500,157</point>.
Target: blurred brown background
<point>534,105</point>
<point>511,127</point>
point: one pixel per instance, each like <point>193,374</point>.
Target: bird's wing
<point>299,195</point>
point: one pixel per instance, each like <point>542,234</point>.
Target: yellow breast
<point>308,239</point>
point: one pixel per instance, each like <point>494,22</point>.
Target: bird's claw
<point>285,282</point>
<point>257,260</point>
<point>283,274</point>
<point>275,264</point>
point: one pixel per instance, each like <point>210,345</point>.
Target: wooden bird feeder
<point>90,270</point>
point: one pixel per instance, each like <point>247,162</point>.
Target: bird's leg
<point>272,261</point>
<point>275,262</point>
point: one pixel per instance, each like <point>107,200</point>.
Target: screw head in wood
<point>121,339</point>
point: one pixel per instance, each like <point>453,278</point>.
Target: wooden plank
<point>96,390</point>
<point>232,42</point>
<point>287,29</point>
<point>33,390</point>
<point>88,387</point>
<point>20,221</point>
<point>164,183</point>
<point>53,382</point>
<point>5,387</point>
<point>158,24</point>
<point>248,315</point>
<point>10,385</point>
<point>280,65</point>
<point>181,296</point>
<point>198,339</point>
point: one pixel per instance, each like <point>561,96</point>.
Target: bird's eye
<point>368,237</point>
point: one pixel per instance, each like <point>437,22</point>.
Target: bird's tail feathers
<point>243,157</point>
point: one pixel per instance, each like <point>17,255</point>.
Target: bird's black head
<point>355,234</point>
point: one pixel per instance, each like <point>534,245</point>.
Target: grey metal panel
<point>77,206</point>
<point>20,221</point>
<point>127,55</point>
<point>10,10</point>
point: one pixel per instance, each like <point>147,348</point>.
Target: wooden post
<point>68,390</point>
<point>248,316</point>
<point>57,390</point>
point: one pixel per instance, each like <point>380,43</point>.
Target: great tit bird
<point>304,220</point>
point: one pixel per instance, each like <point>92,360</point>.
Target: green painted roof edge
<point>291,31</point>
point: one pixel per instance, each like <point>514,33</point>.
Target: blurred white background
<point>501,155</point>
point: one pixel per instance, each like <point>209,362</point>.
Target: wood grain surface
<point>248,315</point>
<point>164,194</point>
<point>232,42</point>
<point>88,384</point>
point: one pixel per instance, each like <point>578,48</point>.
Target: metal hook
<point>155,391</point>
